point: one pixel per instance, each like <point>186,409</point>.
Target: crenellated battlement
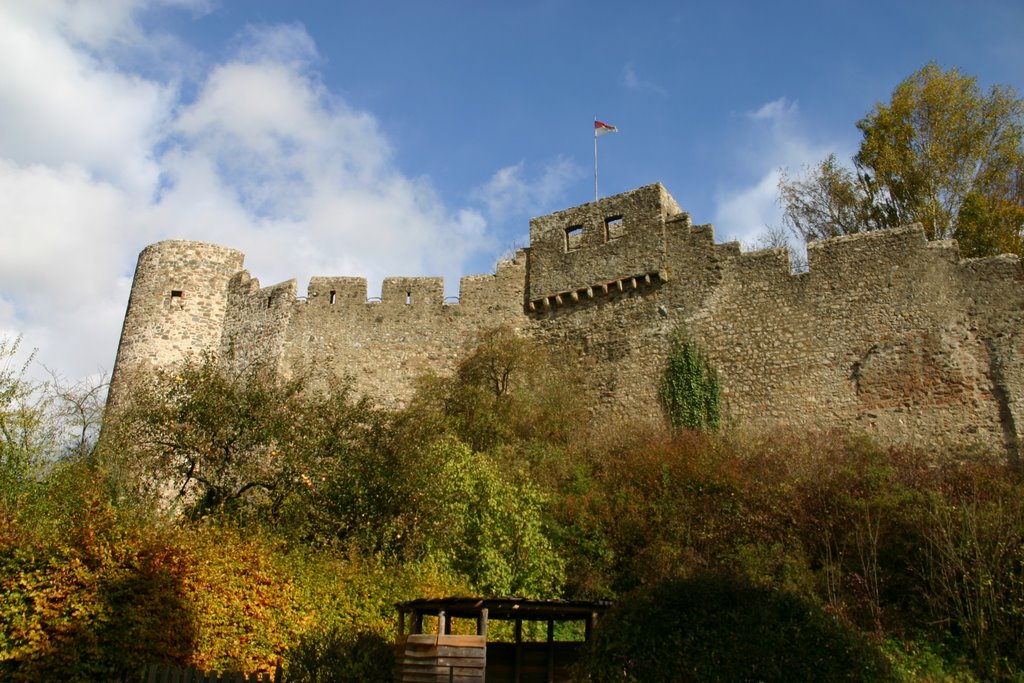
<point>885,332</point>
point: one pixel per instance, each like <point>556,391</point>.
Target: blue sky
<point>413,138</point>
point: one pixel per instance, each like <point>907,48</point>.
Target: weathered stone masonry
<point>886,333</point>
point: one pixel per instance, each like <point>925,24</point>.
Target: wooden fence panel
<point>426,658</point>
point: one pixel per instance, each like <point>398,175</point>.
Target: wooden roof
<point>507,608</point>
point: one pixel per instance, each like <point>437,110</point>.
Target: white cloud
<point>97,161</point>
<point>633,81</point>
<point>287,44</point>
<point>87,23</point>
<point>778,111</point>
<point>61,105</point>
<point>303,181</point>
<point>67,239</point>
<point>741,214</point>
<point>510,191</point>
<point>773,141</point>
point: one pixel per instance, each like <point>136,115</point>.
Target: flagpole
<point>595,159</point>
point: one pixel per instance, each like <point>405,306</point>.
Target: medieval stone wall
<point>383,346</point>
<point>177,306</point>
<point>886,333</point>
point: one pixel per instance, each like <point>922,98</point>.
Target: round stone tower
<point>177,305</point>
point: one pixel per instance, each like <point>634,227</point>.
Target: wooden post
<point>551,651</point>
<point>417,622</point>
<point>518,650</point>
<point>481,623</point>
<point>481,630</point>
<point>591,623</point>
<point>401,623</point>
<point>441,622</point>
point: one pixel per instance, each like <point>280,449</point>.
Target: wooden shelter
<point>444,656</point>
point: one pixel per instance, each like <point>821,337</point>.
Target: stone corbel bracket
<point>602,289</point>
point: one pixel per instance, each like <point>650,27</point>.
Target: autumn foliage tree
<point>941,153</point>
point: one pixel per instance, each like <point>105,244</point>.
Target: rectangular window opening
<point>334,297</point>
<point>573,237</point>
<point>614,227</point>
<point>177,294</point>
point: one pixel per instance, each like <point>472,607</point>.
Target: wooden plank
<point>431,665</point>
<point>428,652</point>
<point>464,662</point>
<point>432,658</point>
<point>477,663</point>
<point>439,673</point>
<point>461,641</point>
<point>402,678</point>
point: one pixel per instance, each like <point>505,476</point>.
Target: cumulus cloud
<point>287,44</point>
<point>296,171</point>
<point>63,106</point>
<point>98,160</point>
<point>772,140</point>
<point>60,263</point>
<point>512,190</point>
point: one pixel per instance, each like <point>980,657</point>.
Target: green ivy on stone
<point>689,388</point>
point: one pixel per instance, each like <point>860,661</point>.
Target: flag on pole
<point>600,128</point>
<point>603,128</point>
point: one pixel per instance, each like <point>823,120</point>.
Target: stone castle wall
<point>886,333</point>
<point>178,304</point>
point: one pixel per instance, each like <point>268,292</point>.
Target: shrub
<point>722,628</point>
<point>334,656</point>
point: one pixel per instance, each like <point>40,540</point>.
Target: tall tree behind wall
<point>941,153</point>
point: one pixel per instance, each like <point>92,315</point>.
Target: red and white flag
<point>603,128</point>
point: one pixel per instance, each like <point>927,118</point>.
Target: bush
<point>334,656</point>
<point>722,628</point>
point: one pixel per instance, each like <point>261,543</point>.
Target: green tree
<point>25,432</point>
<point>941,153</point>
<point>216,439</point>
<point>506,389</point>
<point>489,528</point>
